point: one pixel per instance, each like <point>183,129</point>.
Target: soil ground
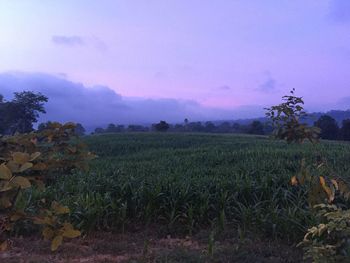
<point>142,247</point>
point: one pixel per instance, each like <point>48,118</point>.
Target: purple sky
<point>221,58</point>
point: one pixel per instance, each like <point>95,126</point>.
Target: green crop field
<point>187,182</point>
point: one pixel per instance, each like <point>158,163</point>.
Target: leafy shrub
<point>286,120</point>
<point>35,159</point>
<point>329,241</point>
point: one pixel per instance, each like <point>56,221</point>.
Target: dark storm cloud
<point>339,10</point>
<point>100,105</point>
<point>68,40</point>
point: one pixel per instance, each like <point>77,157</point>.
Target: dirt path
<point>139,247</point>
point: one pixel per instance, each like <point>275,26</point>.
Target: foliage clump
<point>287,120</point>
<point>329,241</point>
<point>19,114</point>
<point>34,160</point>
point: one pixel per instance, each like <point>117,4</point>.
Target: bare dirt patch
<point>141,247</point>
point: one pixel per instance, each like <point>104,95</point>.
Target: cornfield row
<point>185,182</point>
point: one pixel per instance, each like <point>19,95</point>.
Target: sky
<point>143,60</point>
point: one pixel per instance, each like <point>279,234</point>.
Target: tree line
<point>330,130</point>
<point>21,113</point>
<point>255,127</point>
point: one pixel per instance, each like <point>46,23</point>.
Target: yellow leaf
<point>5,172</point>
<point>67,225</point>
<point>72,149</point>
<point>3,246</point>
<point>322,181</point>
<point>38,221</point>
<point>5,202</point>
<point>39,167</point>
<point>21,181</point>
<point>35,155</point>
<point>25,166</point>
<point>20,158</point>
<point>17,215</point>
<point>40,184</point>
<point>321,229</point>
<point>329,192</point>
<point>71,233</point>
<point>5,186</point>
<point>59,209</point>
<point>334,182</point>
<point>14,167</point>
<point>294,180</point>
<point>49,138</point>
<point>343,188</point>
<point>55,125</point>
<point>56,242</point>
<point>48,233</point>
<point>69,125</point>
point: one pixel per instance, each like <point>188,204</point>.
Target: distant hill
<point>338,115</point>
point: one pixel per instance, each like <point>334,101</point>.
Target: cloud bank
<point>100,105</point>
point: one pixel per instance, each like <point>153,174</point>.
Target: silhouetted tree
<point>268,129</point>
<point>256,127</point>
<point>179,128</point>
<point>2,115</point>
<point>79,130</point>
<point>224,127</point>
<point>236,127</point>
<point>19,114</point>
<point>162,126</point>
<point>195,127</point>
<point>345,130</point>
<point>329,127</point>
<point>111,128</point>
<point>99,130</point>
<point>209,127</point>
<point>137,128</point>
